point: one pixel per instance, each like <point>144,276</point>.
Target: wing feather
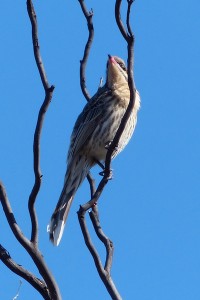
<point>87,121</point>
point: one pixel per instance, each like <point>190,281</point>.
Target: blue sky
<point>151,209</point>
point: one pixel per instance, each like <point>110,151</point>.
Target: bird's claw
<point>114,150</point>
<point>109,175</point>
<point>107,145</point>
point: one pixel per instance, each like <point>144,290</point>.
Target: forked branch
<point>38,284</point>
<point>47,287</point>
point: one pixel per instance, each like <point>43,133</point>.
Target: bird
<point>93,131</point>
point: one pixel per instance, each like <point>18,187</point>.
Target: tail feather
<point>58,219</point>
<point>74,177</point>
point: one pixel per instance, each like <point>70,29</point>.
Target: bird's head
<point>116,72</point>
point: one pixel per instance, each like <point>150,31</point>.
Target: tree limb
<point>11,218</point>
<point>49,289</point>
<point>91,183</point>
<point>38,284</point>
<point>52,289</point>
<point>88,15</point>
<point>104,272</point>
<point>36,47</point>
<point>94,216</point>
<point>36,143</point>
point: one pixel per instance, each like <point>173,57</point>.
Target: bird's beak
<point>111,59</point>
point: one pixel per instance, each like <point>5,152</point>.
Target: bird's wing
<point>87,121</point>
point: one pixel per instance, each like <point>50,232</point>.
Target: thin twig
<point>11,219</point>
<point>37,172</point>
<point>119,20</point>
<point>36,143</point>
<point>103,273</point>
<point>88,15</point>
<point>130,32</point>
<point>94,216</point>
<point>92,184</point>
<point>17,295</point>
<point>36,47</point>
<point>89,243</point>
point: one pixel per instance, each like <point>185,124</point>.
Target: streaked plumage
<point>94,129</point>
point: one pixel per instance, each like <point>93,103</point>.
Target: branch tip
<point>51,89</point>
<point>88,16</point>
<point>91,13</point>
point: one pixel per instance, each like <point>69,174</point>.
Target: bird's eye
<point>122,66</point>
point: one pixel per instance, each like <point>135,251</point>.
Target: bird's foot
<point>109,175</point>
<point>107,145</point>
<point>115,150</point>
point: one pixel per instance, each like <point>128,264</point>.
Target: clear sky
<point>151,209</point>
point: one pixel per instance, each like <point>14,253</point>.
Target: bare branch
<point>38,284</point>
<point>118,19</point>
<point>51,286</point>
<point>104,273</point>
<point>94,216</point>
<point>88,241</point>
<point>36,143</point>
<point>22,240</point>
<point>17,295</point>
<point>88,15</point>
<point>34,252</point>
<point>37,172</point>
<point>91,183</point>
<point>48,288</point>
<point>11,219</point>
<point>36,47</point>
<point>130,32</point>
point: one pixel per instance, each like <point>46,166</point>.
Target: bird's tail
<point>76,172</point>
